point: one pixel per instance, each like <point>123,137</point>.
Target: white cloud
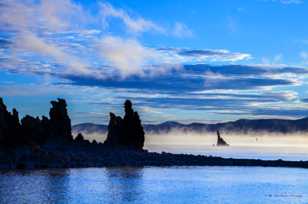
<point>203,55</point>
<point>283,95</point>
<point>287,2</point>
<point>304,56</point>
<point>52,36</point>
<point>29,42</point>
<point>28,18</point>
<point>136,25</point>
<point>181,30</point>
<point>212,78</point>
<point>275,61</point>
<point>48,28</point>
<point>128,56</point>
<point>291,1</point>
<point>47,15</point>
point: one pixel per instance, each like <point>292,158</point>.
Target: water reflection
<point>46,186</point>
<point>125,184</point>
<point>56,186</point>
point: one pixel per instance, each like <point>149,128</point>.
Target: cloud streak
<point>202,55</point>
<point>196,78</point>
<point>291,1</point>
<point>286,2</point>
<point>47,15</point>
<point>181,30</point>
<point>56,34</point>
<point>29,42</point>
<point>129,57</point>
<point>136,25</point>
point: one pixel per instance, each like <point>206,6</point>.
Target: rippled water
<point>156,185</point>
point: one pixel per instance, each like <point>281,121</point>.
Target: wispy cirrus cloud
<point>137,24</point>
<point>199,77</point>
<point>31,43</point>
<point>29,24</point>
<point>58,35</point>
<point>291,1</point>
<point>129,57</point>
<point>47,15</point>
<point>181,30</point>
<point>34,23</point>
<point>199,55</point>
<point>287,2</point>
<point>304,56</point>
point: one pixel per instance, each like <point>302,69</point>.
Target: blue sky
<point>189,61</point>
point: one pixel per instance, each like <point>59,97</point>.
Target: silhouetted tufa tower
<point>220,140</point>
<point>127,132</point>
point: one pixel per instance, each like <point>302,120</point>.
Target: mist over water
<point>261,145</point>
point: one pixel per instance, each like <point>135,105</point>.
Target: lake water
<point>239,152</point>
<point>156,185</point>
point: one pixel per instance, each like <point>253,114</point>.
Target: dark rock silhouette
<point>32,130</point>
<point>79,138</point>
<point>35,131</point>
<point>115,131</point>
<point>9,126</point>
<point>60,122</point>
<point>220,140</point>
<point>56,130</point>
<point>133,130</point>
<point>127,132</point>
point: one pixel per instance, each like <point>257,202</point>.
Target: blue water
<point>156,185</point>
<point>246,152</point>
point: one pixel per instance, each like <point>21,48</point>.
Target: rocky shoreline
<point>98,155</point>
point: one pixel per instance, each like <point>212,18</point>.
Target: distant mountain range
<point>242,125</point>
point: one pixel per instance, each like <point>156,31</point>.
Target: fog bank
<point>253,145</point>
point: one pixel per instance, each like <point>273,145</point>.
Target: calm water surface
<point>156,185</point>
<point>240,152</point>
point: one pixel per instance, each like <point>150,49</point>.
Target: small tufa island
<point>36,143</point>
<point>220,140</point>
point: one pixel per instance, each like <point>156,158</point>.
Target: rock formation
<point>127,132</point>
<point>79,138</point>
<point>56,130</point>
<point>133,130</point>
<point>60,122</point>
<point>220,140</point>
<point>35,131</point>
<point>9,126</point>
<point>115,131</point>
<point>32,130</point>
